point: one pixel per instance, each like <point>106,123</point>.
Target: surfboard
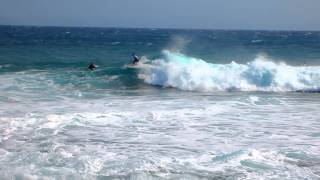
<point>131,66</point>
<point>138,66</point>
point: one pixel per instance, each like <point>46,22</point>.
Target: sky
<point>195,14</point>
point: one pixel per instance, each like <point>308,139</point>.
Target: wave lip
<point>187,73</point>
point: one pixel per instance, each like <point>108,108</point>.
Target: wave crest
<point>187,73</point>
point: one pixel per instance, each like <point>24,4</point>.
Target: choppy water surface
<point>178,117</point>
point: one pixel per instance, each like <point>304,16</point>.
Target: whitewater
<point>236,105</point>
<point>192,74</point>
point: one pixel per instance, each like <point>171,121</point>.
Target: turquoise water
<point>203,105</point>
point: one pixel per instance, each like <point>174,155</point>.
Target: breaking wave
<point>187,73</point>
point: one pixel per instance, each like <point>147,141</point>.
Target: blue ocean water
<point>203,104</point>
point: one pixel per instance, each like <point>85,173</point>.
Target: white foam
<point>188,73</point>
<point>254,99</point>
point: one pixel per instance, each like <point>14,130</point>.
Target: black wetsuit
<point>135,60</point>
<point>92,66</point>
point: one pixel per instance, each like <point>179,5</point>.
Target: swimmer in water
<point>92,66</point>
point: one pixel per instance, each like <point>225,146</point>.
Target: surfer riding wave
<point>136,59</point>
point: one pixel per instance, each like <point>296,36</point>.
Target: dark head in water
<point>136,59</point>
<point>92,66</point>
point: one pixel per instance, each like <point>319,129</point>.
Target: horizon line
<point>156,28</point>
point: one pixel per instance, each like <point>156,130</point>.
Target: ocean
<point>202,104</point>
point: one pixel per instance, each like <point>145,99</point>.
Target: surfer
<point>136,59</point>
<point>92,66</point>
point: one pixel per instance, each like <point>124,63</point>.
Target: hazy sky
<point>212,14</point>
